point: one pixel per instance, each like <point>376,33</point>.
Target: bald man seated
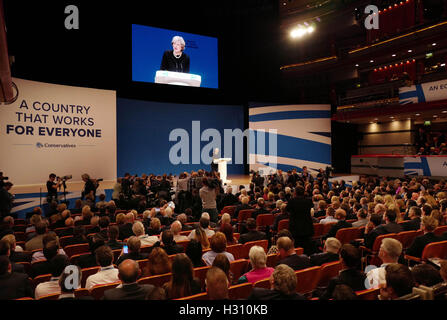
<point>129,272</point>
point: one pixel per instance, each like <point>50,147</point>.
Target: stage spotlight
<point>310,29</point>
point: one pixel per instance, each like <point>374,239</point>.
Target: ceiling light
<point>357,65</point>
<point>371,61</point>
<point>410,50</point>
<point>310,29</point>
<point>391,117</point>
<point>442,64</point>
<point>434,44</point>
<point>394,55</point>
<point>435,116</point>
<point>445,111</point>
<point>418,114</point>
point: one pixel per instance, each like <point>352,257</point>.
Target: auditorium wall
<point>144,128</point>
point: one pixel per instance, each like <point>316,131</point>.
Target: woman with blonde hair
<point>202,238</point>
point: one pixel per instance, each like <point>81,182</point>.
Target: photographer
<point>52,188</point>
<point>208,194</point>
<point>89,187</point>
<point>2,180</point>
<point>6,200</point>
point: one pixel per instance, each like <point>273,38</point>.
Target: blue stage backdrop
<point>143,130</point>
<point>149,44</point>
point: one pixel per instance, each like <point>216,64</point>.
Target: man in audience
<point>129,272</point>
<point>89,260</point>
<point>113,233</point>
<point>414,214</point>
<point>289,257</point>
<point>104,223</point>
<point>228,199</point>
<point>204,224</point>
<point>372,230</point>
<point>260,208</point>
<point>49,251</point>
<point>330,216</point>
<point>36,242</point>
<point>362,220</point>
<point>390,251</point>
<point>126,228</point>
<point>69,224</point>
<point>58,264</point>
<point>14,255</point>
<point>330,252</point>
<point>50,236</point>
<point>183,218</point>
<point>428,226</point>
<point>7,226</point>
<point>134,245</point>
<point>243,206</point>
<point>5,250</point>
<point>13,285</point>
<point>176,227</point>
<point>108,273</point>
<point>340,215</point>
<point>146,240</point>
<point>217,284</point>
<point>283,286</point>
<point>398,282</point>
<point>252,234</point>
<point>31,230</point>
<point>168,243</point>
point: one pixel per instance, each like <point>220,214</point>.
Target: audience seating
<point>431,250</point>
<point>346,235</point>
<point>240,291</point>
<point>63,241</point>
<point>74,258</point>
<point>264,220</point>
<point>237,250</point>
<point>97,292</point>
<point>87,272</point>
<point>373,254</point>
<point>25,298</point>
<point>183,243</point>
<point>299,250</point>
<point>327,227</point>
<point>283,224</point>
<point>58,231</point>
<point>272,260</point>
<point>238,268</point>
<point>318,230</point>
<point>407,237</point>
<point>19,228</point>
<point>73,249</point>
<point>199,296</point>
<point>18,222</point>
<point>185,233</point>
<point>142,263</point>
<point>368,294</point>
<point>27,266</point>
<point>328,271</point>
<point>248,245</point>
<point>157,280</point>
<point>243,215</point>
<point>40,279</point>
<point>228,209</point>
<point>307,279</point>
<point>20,236</point>
<point>116,254</point>
<point>440,230</point>
<point>144,249</point>
<point>82,292</point>
<point>236,235</point>
<point>53,296</point>
<point>264,283</point>
<point>200,274</point>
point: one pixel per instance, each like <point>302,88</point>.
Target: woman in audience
<point>218,245</point>
<point>194,252</point>
<point>221,261</point>
<point>182,283</point>
<point>78,236</point>
<point>202,238</point>
<point>259,271</point>
<point>227,230</point>
<point>158,262</point>
<point>87,214</point>
<point>154,227</point>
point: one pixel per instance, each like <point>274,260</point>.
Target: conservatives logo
<point>52,145</point>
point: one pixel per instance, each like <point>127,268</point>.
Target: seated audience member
<point>283,214</point>
<point>390,251</point>
<point>138,230</point>
<point>414,214</point>
<point>390,225</point>
<point>158,263</point>
<point>168,243</point>
<point>252,234</point>
<point>154,227</point>
<point>426,275</point>
<point>204,223</point>
<point>194,252</point>
<point>134,245</point>
<point>7,226</point>
<point>330,252</point>
<point>228,199</point>
<point>14,254</point>
<point>5,250</point>
<point>79,236</point>
<point>87,215</point>
<point>282,233</point>
<point>343,292</point>
<point>243,206</point>
<point>113,233</point>
<point>13,285</point>
<point>78,207</point>
<point>183,218</point>
<point>428,226</point>
<point>176,227</point>
<point>108,273</point>
<point>221,261</point>
<point>58,264</point>
<point>398,282</point>
<point>321,210</point>
<point>89,260</point>
<point>217,284</point>
<point>126,228</point>
<point>340,215</point>
<point>129,272</point>
<point>31,230</point>
<point>362,219</point>
<point>228,231</point>
<point>182,283</point>
<point>283,286</point>
<point>50,236</point>
<point>49,251</point>
<point>289,257</point>
<point>69,225</point>
<point>372,230</point>
<point>36,242</point>
<point>104,223</point>
<point>330,216</point>
<point>350,275</point>
<point>68,292</point>
<point>259,270</point>
<point>218,244</point>
<point>260,208</point>
<point>226,218</point>
<point>101,202</point>
<point>443,270</point>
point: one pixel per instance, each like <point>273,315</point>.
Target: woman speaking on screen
<point>176,60</point>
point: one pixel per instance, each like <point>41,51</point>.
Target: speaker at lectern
<point>222,168</point>
<point>178,78</point>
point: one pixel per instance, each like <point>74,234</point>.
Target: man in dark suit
<point>283,284</point>
<point>44,267</point>
<point>390,225</point>
<point>13,285</point>
<point>350,275</point>
<point>252,234</point>
<point>89,260</point>
<point>243,206</point>
<point>330,252</point>
<point>104,226</point>
<point>300,221</point>
<point>168,243</point>
<point>340,215</point>
<point>289,257</point>
<point>228,199</point>
<point>126,229</point>
<point>371,230</point>
<point>260,208</point>
<point>414,214</point>
<point>129,272</point>
<point>113,243</point>
<point>428,226</point>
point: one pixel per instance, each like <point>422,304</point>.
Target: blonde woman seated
<point>259,271</point>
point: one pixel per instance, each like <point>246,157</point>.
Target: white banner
<point>58,129</point>
<point>425,92</point>
<point>435,166</point>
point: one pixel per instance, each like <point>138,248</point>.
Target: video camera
<point>65,178</point>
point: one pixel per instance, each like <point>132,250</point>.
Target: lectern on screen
<point>174,57</point>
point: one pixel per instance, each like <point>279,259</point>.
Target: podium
<point>222,168</point>
<point>178,78</point>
